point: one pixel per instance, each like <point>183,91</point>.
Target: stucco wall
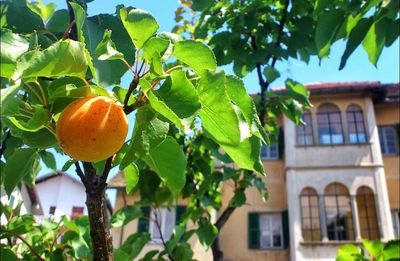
<point>390,115</point>
<point>199,252</point>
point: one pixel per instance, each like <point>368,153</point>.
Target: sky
<point>358,68</point>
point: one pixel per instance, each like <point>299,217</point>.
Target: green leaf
<point>106,49</point>
<point>58,22</point>
<point>125,215</point>
<point>217,114</point>
<point>155,44</point>
<point>271,73</point>
<point>131,173</point>
<point>139,24</point>
<point>375,40</point>
<point>247,154</point>
<point>238,200</point>
<point>48,159</point>
<point>134,244</point>
<point>199,5</point>
<point>7,254</point>
<point>183,252</point>
<point>45,11</point>
<point>18,165</point>
<point>108,72</point>
<point>12,46</point>
<point>64,58</point>
<point>176,100</point>
<point>391,250</point>
<point>19,18</point>
<point>37,122</point>
<point>80,17</point>
<point>298,92</point>
<point>120,255</point>
<point>206,232</point>
<point>196,55</point>
<point>149,132</point>
<point>237,93</point>
<point>348,252</point>
<point>67,165</point>
<point>7,94</point>
<point>356,36</point>
<point>327,26</point>
<point>160,159</point>
<point>374,248</point>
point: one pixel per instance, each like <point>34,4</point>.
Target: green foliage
<point>370,250</point>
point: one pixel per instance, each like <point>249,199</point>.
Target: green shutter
<point>281,143</point>
<point>180,210</point>
<point>285,228</point>
<point>398,138</point>
<point>143,224</point>
<point>254,231</point>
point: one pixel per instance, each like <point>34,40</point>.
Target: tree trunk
<point>99,231</point>
<point>218,255</point>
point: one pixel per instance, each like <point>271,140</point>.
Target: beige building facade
<point>332,181</point>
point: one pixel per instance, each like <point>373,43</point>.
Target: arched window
<point>310,222</point>
<point>339,220</point>
<point>304,132</point>
<point>329,124</point>
<point>367,213</point>
<point>355,123</point>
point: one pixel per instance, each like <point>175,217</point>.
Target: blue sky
<point>358,67</point>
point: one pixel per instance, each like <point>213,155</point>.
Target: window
<point>265,231</point>
<point>52,210</point>
<point>329,125</point>
<point>304,132</point>
<point>311,228</point>
<point>339,220</point>
<point>396,223</point>
<point>76,212</point>
<point>387,139</point>
<point>162,220</point>
<point>355,122</point>
<point>270,153</point>
<point>367,213</point>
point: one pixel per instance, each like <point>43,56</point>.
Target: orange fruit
<point>92,128</point>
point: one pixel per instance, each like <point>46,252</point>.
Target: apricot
<point>92,128</point>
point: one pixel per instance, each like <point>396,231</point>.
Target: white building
<point>61,194</point>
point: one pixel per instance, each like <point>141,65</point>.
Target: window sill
<point>329,243</point>
<point>268,249</point>
<point>332,145</point>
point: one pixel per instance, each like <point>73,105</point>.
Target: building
<point>61,194</point>
<point>332,181</point>
<point>25,195</point>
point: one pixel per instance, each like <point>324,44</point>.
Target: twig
<point>142,100</point>
<point>132,86</point>
<point>43,95</point>
<point>107,169</point>
<point>34,92</point>
<point>80,173</point>
<point>26,243</point>
<point>129,67</point>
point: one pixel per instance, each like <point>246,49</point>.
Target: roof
<point>56,175</point>
<point>381,92</point>
<point>118,181</point>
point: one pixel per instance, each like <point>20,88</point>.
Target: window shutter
<point>281,143</point>
<point>254,231</point>
<point>285,228</point>
<point>180,210</point>
<point>143,223</point>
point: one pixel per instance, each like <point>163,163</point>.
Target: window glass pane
<point>270,152</point>
<point>265,232</point>
<point>168,224</point>
<point>276,223</point>
<point>387,138</point>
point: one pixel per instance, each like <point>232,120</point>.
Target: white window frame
<point>161,214</point>
<point>270,217</point>
<point>382,130</point>
<point>267,150</point>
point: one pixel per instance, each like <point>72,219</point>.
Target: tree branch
<point>132,86</point>
<point>80,174</point>
<point>107,169</point>
<point>161,235</point>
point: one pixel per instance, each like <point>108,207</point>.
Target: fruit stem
<point>86,82</point>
